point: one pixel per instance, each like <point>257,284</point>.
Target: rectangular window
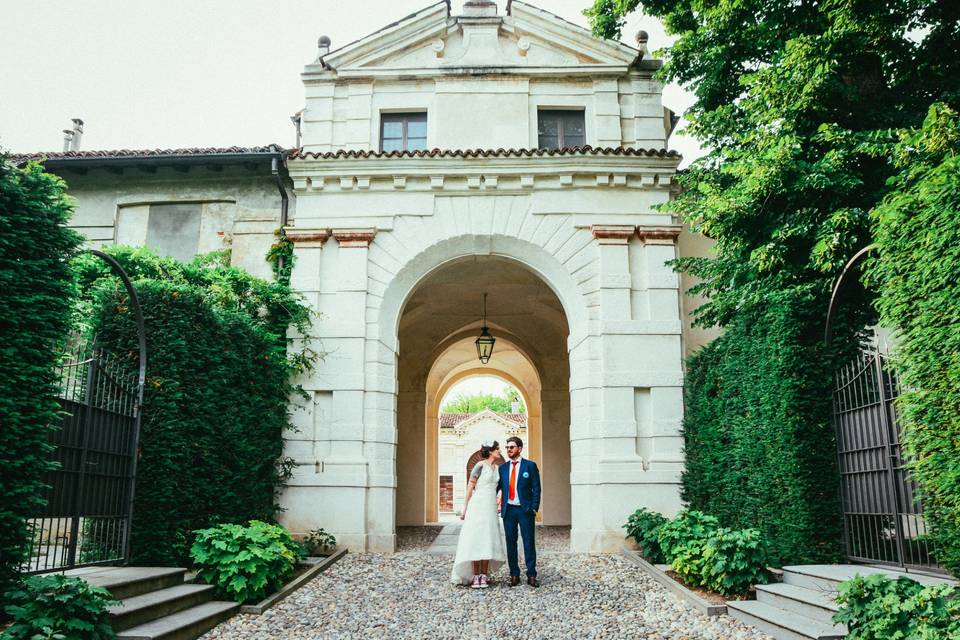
<point>560,129</point>
<point>403,131</point>
<point>446,493</point>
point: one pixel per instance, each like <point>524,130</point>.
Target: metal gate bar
<point>882,517</point>
<point>88,502</point>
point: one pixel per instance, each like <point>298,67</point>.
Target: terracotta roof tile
<point>118,154</point>
<point>450,420</point>
<point>484,153</point>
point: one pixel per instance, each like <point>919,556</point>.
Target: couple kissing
<point>480,548</point>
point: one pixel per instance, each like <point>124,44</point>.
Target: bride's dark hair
<point>485,450</point>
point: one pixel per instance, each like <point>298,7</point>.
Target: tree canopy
<point>786,92</point>
<point>475,403</point>
<point>806,109</point>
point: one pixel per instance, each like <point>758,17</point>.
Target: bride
<point>480,549</point>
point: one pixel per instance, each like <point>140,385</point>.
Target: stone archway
<point>617,373</point>
<point>522,374</point>
<point>437,329</point>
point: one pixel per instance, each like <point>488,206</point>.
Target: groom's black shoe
<point>514,581</point>
<point>532,581</point>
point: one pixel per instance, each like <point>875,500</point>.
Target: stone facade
<point>580,221</point>
<point>459,447</point>
<point>396,248</point>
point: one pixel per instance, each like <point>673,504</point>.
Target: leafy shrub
<point>687,529</point>
<point>35,297</point>
<point>319,541</point>
<point>703,554</point>
<point>642,526</point>
<point>881,608</point>
<point>733,560</point>
<point>726,561</point>
<point>58,607</point>
<point>915,270</point>
<point>246,563</point>
<point>688,561</point>
<point>215,409</point>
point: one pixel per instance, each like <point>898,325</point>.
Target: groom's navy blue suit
<point>523,516</point>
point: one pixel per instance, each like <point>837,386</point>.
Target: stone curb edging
<point>675,587</point>
<point>293,585</point>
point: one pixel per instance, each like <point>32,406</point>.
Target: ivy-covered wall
<point>35,296</point>
<point>916,270</point>
<point>216,398</point>
<point>759,444</point>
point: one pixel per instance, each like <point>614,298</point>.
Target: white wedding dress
<point>481,536</point>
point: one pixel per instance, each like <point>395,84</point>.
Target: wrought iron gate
<point>88,503</point>
<point>882,514</point>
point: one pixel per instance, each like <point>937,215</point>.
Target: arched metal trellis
<point>89,498</point>
<point>882,513</point>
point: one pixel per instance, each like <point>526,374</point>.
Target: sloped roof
<point>147,154</point>
<point>450,420</point>
<point>484,153</point>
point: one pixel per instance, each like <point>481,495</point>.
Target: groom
<point>520,489</point>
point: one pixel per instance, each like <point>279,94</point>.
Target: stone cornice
<point>648,234</point>
<point>613,233</point>
<point>666,235</point>
<point>307,237</point>
<point>482,173</point>
<point>354,238</point>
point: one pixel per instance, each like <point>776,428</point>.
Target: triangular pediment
<point>432,42</point>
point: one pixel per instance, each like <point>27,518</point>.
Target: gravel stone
<point>407,594</point>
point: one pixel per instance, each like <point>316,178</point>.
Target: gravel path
<point>407,595</point>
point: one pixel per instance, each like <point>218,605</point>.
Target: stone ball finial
<point>324,41</point>
<point>642,37</point>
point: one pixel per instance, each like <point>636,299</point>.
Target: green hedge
<point>216,398</point>
<point>35,297</point>
<point>916,268</point>
<point>760,450</point>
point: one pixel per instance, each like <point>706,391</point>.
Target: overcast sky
<point>191,73</point>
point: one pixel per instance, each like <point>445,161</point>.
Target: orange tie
<point>513,480</point>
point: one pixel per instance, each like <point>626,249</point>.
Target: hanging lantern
<point>486,341</point>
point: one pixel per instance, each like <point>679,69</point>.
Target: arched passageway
<point>437,329</point>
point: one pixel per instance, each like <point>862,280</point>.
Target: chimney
<point>515,406</point>
<point>479,9</point>
<point>71,137</point>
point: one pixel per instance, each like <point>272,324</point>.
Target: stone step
<point>782,624</point>
<point>188,624</point>
<point>816,605</point>
<point>128,582</point>
<point>156,604</point>
<point>826,577</point>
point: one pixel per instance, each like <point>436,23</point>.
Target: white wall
<point>458,443</point>
<point>240,210</point>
